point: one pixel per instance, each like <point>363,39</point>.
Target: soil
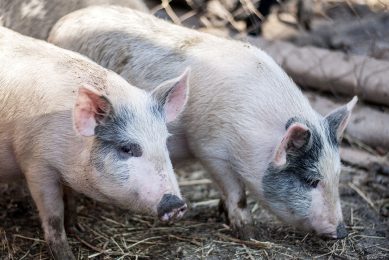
<point>202,234</point>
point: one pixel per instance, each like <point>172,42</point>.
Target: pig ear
<point>297,137</point>
<point>172,95</point>
<point>91,109</point>
<point>338,119</point>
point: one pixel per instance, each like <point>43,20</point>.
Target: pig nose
<point>341,231</point>
<point>171,208</point>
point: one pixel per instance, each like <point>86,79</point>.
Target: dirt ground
<point>106,232</point>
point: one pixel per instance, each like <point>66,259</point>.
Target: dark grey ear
<point>338,119</point>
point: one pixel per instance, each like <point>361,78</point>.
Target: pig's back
<point>38,83</point>
<point>146,51</point>
<point>36,18</point>
<point>37,77</point>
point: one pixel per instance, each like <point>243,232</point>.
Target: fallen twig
<point>194,182</point>
<point>108,252</point>
<point>210,203</point>
<point>363,196</point>
<point>252,243</point>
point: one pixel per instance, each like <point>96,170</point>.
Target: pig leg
<point>234,198</point>
<point>47,193</point>
<point>70,209</point>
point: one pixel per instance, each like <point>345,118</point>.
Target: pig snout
<point>171,208</point>
<point>341,231</point>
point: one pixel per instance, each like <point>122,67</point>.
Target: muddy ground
<point>106,232</point>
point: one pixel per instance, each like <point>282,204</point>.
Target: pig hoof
<point>61,251</point>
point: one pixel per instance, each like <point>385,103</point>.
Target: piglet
<point>66,122</point>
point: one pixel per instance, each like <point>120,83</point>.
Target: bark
<point>363,159</point>
<point>331,71</point>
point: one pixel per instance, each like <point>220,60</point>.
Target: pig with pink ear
<point>67,123</point>
<point>245,120</point>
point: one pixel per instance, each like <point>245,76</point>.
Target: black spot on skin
<point>115,127</point>
<point>288,185</point>
<point>110,136</point>
<point>59,247</point>
<point>56,225</point>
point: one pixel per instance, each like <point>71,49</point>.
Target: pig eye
<point>315,183</point>
<point>130,150</point>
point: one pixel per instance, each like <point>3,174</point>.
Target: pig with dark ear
<point>309,154</point>
<point>246,120</point>
<point>67,123</point>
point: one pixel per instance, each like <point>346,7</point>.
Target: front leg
<point>70,209</point>
<point>233,196</point>
<point>47,193</point>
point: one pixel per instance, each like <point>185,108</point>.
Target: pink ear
<point>177,97</point>
<point>90,108</point>
<point>173,95</point>
<point>296,136</point>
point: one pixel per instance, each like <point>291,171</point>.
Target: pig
<point>68,123</point>
<point>35,18</point>
<point>246,121</point>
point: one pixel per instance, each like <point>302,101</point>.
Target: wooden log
<point>331,71</point>
<point>362,158</point>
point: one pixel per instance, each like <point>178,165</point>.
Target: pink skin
<point>323,219</point>
<point>177,98</point>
